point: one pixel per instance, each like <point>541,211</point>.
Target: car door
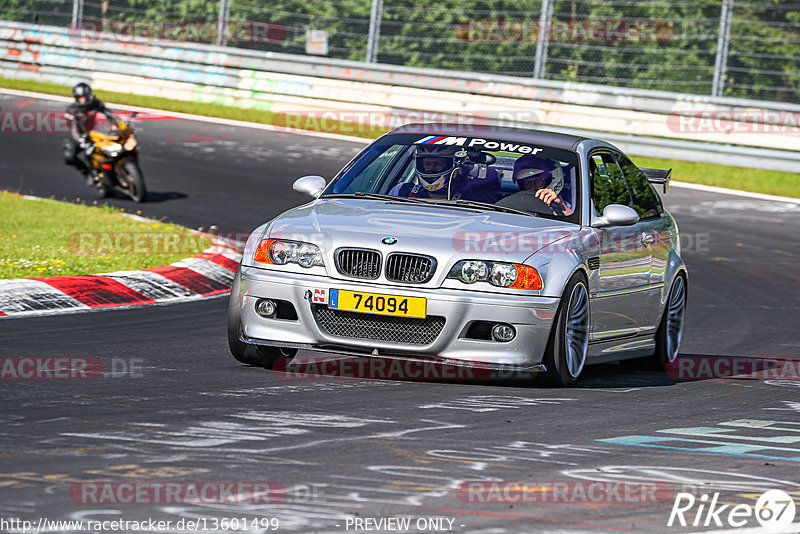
<point>620,299</point>
<point>656,229</point>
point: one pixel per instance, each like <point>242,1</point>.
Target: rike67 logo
<point>774,510</point>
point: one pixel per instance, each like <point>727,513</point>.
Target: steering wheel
<point>538,205</point>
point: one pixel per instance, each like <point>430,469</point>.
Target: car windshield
<point>490,174</point>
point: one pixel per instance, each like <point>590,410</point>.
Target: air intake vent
<point>404,330</point>
<point>409,268</point>
<point>358,263</point>
<point>593,263</point>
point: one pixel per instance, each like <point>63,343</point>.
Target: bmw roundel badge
<point>389,240</point>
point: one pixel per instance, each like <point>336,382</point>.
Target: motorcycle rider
<point>83,116</point>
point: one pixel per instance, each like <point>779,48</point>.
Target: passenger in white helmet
<point>540,182</point>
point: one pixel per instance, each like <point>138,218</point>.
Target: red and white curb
<point>202,276</point>
<point>205,275</point>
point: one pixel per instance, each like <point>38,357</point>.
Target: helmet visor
<point>433,165</point>
<point>542,178</point>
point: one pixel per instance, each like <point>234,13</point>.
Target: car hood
<point>444,233</point>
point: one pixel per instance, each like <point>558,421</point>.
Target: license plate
<point>355,301</point>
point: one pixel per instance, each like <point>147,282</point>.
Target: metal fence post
<point>77,13</point>
<point>723,40</point>
<point>222,22</point>
<point>374,30</point>
<point>540,62</point>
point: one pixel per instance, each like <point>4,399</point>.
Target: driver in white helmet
<point>438,175</point>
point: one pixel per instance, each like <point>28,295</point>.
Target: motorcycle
<point>114,161</point>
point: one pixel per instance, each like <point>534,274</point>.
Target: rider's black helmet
<point>83,95</point>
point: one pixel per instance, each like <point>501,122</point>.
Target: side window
<point>608,185</point>
<point>645,198</point>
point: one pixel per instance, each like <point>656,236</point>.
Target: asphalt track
<point>173,406</point>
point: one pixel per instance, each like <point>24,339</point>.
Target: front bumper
<point>532,317</point>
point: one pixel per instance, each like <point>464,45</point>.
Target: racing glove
<point>86,145</point>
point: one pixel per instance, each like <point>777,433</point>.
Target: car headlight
<point>511,275</point>
<point>112,150</point>
<point>280,252</point>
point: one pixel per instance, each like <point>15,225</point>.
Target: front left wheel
<point>255,355</point>
<point>565,356</point>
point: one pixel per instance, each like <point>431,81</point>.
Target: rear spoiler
<point>657,176</point>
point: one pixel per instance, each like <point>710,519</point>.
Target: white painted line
<point>32,94</point>
<point>726,191</point>
<point>141,219</point>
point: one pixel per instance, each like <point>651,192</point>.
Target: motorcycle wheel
<point>135,180</point>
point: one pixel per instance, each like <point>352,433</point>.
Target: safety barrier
<point>646,123</point>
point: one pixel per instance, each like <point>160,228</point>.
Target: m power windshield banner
<point>478,143</point>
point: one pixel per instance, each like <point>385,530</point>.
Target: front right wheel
<point>566,351</point>
<point>669,332</point>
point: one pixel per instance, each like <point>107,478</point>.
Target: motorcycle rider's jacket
<point>83,119</point>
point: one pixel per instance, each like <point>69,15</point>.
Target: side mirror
<point>310,185</point>
<point>616,215</point>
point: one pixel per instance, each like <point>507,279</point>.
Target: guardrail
<point>644,123</point>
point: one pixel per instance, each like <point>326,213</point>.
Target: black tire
<point>133,176</point>
<point>565,356</point>
<point>668,335</point>
<point>246,353</point>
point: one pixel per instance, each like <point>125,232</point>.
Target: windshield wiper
<point>485,206</point>
<point>373,196</point>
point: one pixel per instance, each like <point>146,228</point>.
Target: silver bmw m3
<point>504,249</point>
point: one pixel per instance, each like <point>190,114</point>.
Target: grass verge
<point>756,180</point>
<point>785,184</point>
<point>51,238</point>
